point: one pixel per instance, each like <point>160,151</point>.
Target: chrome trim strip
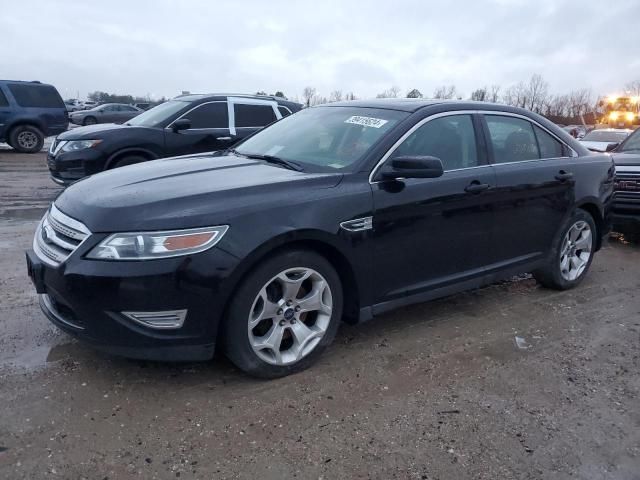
<point>385,157</point>
<point>174,318</point>
<point>70,222</point>
<point>54,250</point>
<point>622,169</point>
<point>358,224</point>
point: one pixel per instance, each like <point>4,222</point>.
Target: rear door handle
<point>476,187</point>
<point>564,176</point>
<point>223,138</point>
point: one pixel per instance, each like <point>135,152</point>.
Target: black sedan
<point>185,125</point>
<point>339,212</point>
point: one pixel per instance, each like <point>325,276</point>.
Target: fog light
<point>159,320</point>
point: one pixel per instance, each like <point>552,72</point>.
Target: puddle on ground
<point>42,356</point>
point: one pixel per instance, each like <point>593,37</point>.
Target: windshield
<point>632,144</point>
<point>158,114</point>
<point>326,137</point>
<point>601,136</point>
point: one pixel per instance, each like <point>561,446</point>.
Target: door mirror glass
<point>181,124</point>
<point>408,166</point>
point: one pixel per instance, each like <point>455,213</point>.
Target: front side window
<point>36,95</point>
<point>209,115</point>
<point>512,139</point>
<point>632,144</point>
<point>110,108</point>
<point>451,139</point>
<point>158,114</point>
<point>549,146</point>
<point>253,115</point>
<point>324,138</point>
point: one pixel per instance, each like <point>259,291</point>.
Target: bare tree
<point>494,94</point>
<point>633,88</point>
<point>516,95</point>
<point>335,96</point>
<point>390,93</point>
<point>580,102</point>
<point>536,93</point>
<point>480,94</point>
<point>350,96</point>
<point>308,94</point>
<point>445,92</point>
<point>414,93</point>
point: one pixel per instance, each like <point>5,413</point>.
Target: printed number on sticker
<point>366,121</point>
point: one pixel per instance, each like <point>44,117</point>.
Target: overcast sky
<point>162,47</point>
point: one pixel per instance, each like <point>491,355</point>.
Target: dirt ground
<point>441,390</point>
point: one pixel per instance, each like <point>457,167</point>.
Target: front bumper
<point>66,168</point>
<point>86,298</point>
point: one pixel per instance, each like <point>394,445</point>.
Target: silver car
<point>106,113</point>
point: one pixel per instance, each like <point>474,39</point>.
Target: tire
<point>130,160</point>
<point>26,139</point>
<point>89,121</point>
<point>568,264</point>
<point>260,315</point>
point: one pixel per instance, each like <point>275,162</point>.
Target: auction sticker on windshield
<point>366,121</point>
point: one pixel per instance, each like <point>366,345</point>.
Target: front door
<point>429,233</point>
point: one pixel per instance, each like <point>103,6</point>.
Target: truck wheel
<point>26,139</point>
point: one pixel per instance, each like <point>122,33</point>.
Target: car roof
<point>415,104</point>
<point>192,97</point>
<point>26,82</point>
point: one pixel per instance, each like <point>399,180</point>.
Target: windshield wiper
<point>270,159</point>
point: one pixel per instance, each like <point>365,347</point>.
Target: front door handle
<point>476,187</point>
<point>564,176</point>
<point>223,139</point>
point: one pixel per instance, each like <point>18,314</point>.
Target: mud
<point>441,390</point>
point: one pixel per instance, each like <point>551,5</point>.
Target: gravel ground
<point>509,381</point>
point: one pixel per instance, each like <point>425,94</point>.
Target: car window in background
<point>327,137</point>
<point>253,115</point>
<point>284,111</point>
<point>605,136</point>
<point>3,99</point>
<point>35,95</point>
<point>632,144</point>
<point>127,108</point>
<point>110,108</point>
<point>209,115</point>
<point>512,139</point>
<point>451,139</point>
<point>549,146</point>
<point>158,114</point>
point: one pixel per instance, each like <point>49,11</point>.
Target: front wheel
<point>283,315</point>
<point>26,139</point>
<point>571,255</point>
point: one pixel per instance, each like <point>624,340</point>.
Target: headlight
<point>152,245</point>
<point>75,145</point>
<point>629,116</point>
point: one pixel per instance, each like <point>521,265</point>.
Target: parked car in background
<point>142,105</point>
<point>88,104</point>
<point>576,131</point>
<point>605,139</point>
<point>106,113</point>
<point>187,124</point>
<point>344,210</point>
<point>29,112</point>
<point>73,105</point>
<point>626,204</point>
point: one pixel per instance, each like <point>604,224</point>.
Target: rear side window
<point>284,111</point>
<point>35,95</point>
<point>253,115</point>
<point>451,139</point>
<point>209,115</point>
<point>512,139</point>
<point>549,146</point>
<point>3,100</point>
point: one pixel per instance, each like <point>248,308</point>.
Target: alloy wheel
<point>27,140</point>
<point>289,316</point>
<point>576,250</point>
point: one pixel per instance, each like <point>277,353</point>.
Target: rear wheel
<point>26,139</point>
<point>572,253</point>
<point>284,315</point>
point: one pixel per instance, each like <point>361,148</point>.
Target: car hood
<point>595,146</point>
<point>626,159</point>
<point>93,132</point>
<point>184,192</point>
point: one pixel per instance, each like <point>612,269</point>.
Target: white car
<point>605,139</point>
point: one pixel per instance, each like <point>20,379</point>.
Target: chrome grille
<point>58,236</point>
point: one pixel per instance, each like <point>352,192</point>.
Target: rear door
<point>5,112</point>
<point>248,115</point>
<point>534,184</point>
<point>109,114</point>
<point>210,130</point>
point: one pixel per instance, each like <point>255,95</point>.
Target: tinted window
<point>3,100</point>
<point>451,139</point>
<point>127,108</point>
<point>209,115</point>
<point>512,139</point>
<point>253,115</point>
<point>549,146</point>
<point>35,95</point>
<point>633,143</point>
<point>110,108</point>
<point>158,114</point>
<point>284,111</point>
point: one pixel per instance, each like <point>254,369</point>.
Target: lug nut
<point>289,302</point>
<point>281,323</point>
<point>297,308</point>
<point>279,312</point>
<point>293,320</point>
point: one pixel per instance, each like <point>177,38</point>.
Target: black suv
<point>340,211</point>
<point>29,112</point>
<point>626,205</point>
<point>185,125</point>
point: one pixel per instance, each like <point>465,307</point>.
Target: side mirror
<point>413,167</point>
<point>181,124</point>
<point>612,146</point>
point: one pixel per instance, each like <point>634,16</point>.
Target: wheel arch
<point>143,152</point>
<point>31,122</point>
<point>592,208</point>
